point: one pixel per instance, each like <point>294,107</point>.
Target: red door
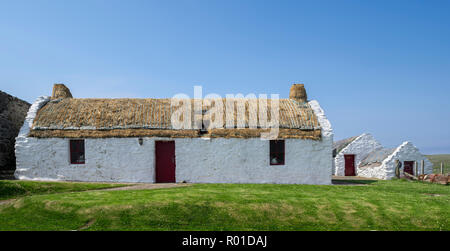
<point>349,165</point>
<point>165,161</point>
<point>408,167</point>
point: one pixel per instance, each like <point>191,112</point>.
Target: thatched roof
<point>152,117</point>
<point>214,133</point>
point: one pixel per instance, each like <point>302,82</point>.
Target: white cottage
<point>364,156</point>
<point>134,140</point>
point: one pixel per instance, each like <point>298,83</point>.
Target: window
<point>205,123</point>
<point>276,152</point>
<point>77,151</point>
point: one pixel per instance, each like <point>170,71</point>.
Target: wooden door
<point>408,167</point>
<point>350,165</point>
<point>165,161</point>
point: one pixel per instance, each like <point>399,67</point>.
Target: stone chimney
<point>298,93</point>
<point>60,91</point>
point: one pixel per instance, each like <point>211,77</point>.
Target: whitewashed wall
<point>247,161</point>
<point>405,152</point>
<point>112,159</point>
<point>198,160</point>
<point>327,136</point>
<point>360,147</point>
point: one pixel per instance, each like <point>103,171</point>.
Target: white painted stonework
<point>325,124</point>
<point>360,147</point>
<point>198,160</point>
<point>405,152</point>
<point>34,108</point>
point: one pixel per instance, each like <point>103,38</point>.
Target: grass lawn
<point>380,205</point>
<point>437,159</point>
<point>10,189</point>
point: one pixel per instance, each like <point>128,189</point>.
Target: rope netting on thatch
<point>76,115</point>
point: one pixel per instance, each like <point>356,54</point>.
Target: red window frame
<point>277,151</point>
<point>77,151</point>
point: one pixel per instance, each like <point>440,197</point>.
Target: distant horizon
<point>378,67</point>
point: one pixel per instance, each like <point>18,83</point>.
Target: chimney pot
<point>61,91</point>
<point>298,93</point>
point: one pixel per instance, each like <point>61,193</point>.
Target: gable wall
<point>360,147</point>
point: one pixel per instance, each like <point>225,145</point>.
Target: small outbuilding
<point>364,156</point>
<point>381,163</point>
<point>348,153</point>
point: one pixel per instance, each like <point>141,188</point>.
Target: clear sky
<point>375,66</point>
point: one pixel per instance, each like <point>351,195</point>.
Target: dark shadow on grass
<point>353,182</point>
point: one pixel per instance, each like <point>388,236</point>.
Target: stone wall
<point>12,116</point>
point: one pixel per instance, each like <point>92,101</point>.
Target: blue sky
<point>375,66</point>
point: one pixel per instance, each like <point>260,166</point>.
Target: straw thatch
<point>152,117</point>
<point>298,93</point>
<point>213,133</point>
<point>60,91</point>
<point>256,133</point>
<point>114,133</point>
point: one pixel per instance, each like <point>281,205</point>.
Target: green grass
<point>437,160</point>
<point>14,189</point>
<point>381,205</point>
